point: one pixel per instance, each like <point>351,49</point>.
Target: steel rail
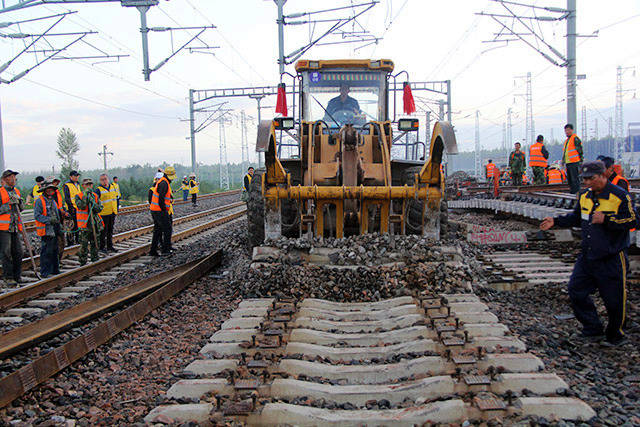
<point>141,207</point>
<point>13,298</point>
<point>34,332</point>
<point>633,182</point>
<point>125,235</point>
<point>17,383</point>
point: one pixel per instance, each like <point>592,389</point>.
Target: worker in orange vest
<point>161,211</point>
<point>610,173</point>
<point>493,176</point>
<point>11,205</point>
<point>555,175</point>
<point>572,158</point>
<point>538,160</point>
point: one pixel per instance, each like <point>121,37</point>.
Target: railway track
<point>30,225</point>
<point>425,358</point>
<point>138,298</point>
<point>36,297</point>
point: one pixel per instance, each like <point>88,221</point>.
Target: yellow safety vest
<point>109,200</point>
<point>116,187</point>
<point>195,189</point>
<point>184,186</point>
<point>74,190</point>
<point>36,191</point>
<point>247,176</point>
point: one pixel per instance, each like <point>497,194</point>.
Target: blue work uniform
<point>603,263</point>
<point>349,104</point>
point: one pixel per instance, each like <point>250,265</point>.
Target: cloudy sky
<point>143,122</point>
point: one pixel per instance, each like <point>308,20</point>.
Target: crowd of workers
<point>78,213</point>
<point>566,169</point>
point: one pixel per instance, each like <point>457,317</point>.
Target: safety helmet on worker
<point>170,171</point>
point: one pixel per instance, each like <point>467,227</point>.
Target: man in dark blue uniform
<point>343,102</point>
<point>605,214</point>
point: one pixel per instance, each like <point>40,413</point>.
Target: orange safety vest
<point>492,171</point>
<point>535,156</point>
<point>82,215</point>
<point>59,200</point>
<point>556,176</point>
<point>41,226</point>
<point>525,180</point>
<point>5,219</point>
<point>570,149</point>
<point>155,197</point>
<point>619,178</point>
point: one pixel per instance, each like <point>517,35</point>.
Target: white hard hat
<point>158,175</point>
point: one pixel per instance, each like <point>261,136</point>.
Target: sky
<point>109,103</point>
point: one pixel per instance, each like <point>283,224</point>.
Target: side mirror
<point>407,125</point>
<point>284,123</point>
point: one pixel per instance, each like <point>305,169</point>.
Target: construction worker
<point>36,190</point>
<point>610,173</point>
<point>70,190</point>
<point>10,228</point>
<point>555,175</point>
<point>184,187</point>
<point>605,214</point>
<point>109,200</point>
<point>518,164</point>
<point>89,222</point>
<point>538,160</point>
<point>116,187</point>
<point>194,188</point>
<point>492,173</point>
<point>63,215</point>
<point>162,212</point>
<point>47,217</point>
<point>246,184</point>
<point>572,158</point>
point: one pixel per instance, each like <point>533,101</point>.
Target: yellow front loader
<point>343,181</point>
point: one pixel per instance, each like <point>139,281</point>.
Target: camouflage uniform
<point>87,236</point>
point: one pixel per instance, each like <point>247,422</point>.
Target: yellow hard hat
<point>170,171</point>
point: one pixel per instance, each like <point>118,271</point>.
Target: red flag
<point>281,103</point>
<point>407,99</point>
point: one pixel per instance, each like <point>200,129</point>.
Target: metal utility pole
<point>515,27</point>
<point>584,129</point>
<point>244,141</point>
<point>104,154</point>
<point>280,21</point>
<point>144,30</point>
<point>618,147</point>
<point>192,133</point>
<point>427,135</point>
<point>441,109</point>
<point>530,131</point>
<point>224,166</point>
<point>596,136</point>
<point>509,140</point>
<point>504,136</point>
<point>1,143</point>
<point>478,153</point>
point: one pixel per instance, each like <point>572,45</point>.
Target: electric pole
<point>595,129</point>
<point>572,113</point>
<point>504,136</point>
<point>192,133</point>
<point>244,141</point>
<point>509,141</point>
<point>584,130</point>
<point>224,166</point>
<point>104,154</point>
<point>478,153</point>
<point>280,21</point>
<point>618,146</point>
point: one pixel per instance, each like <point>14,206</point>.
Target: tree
<point>68,147</point>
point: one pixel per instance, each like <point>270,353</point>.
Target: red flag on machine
<point>281,103</point>
<point>407,99</point>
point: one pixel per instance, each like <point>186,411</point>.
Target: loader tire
<point>255,210</point>
<point>413,221</point>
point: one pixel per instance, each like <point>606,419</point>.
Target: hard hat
<point>170,171</point>
<point>158,175</point>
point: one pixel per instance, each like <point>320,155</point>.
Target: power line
<point>102,104</point>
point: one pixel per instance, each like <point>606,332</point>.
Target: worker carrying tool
<point>116,187</point>
<point>184,186</point>
<point>555,175</point>
<point>538,160</point>
<point>162,212</point>
<point>10,228</point>
<point>48,217</point>
<point>36,190</point>
<point>109,200</point>
<point>246,184</point>
<point>63,215</point>
<point>605,214</point>
<point>70,190</point>
<point>194,189</point>
<point>572,158</point>
<point>89,222</point>
<point>518,164</point>
<point>610,173</point>
<point>492,173</point>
